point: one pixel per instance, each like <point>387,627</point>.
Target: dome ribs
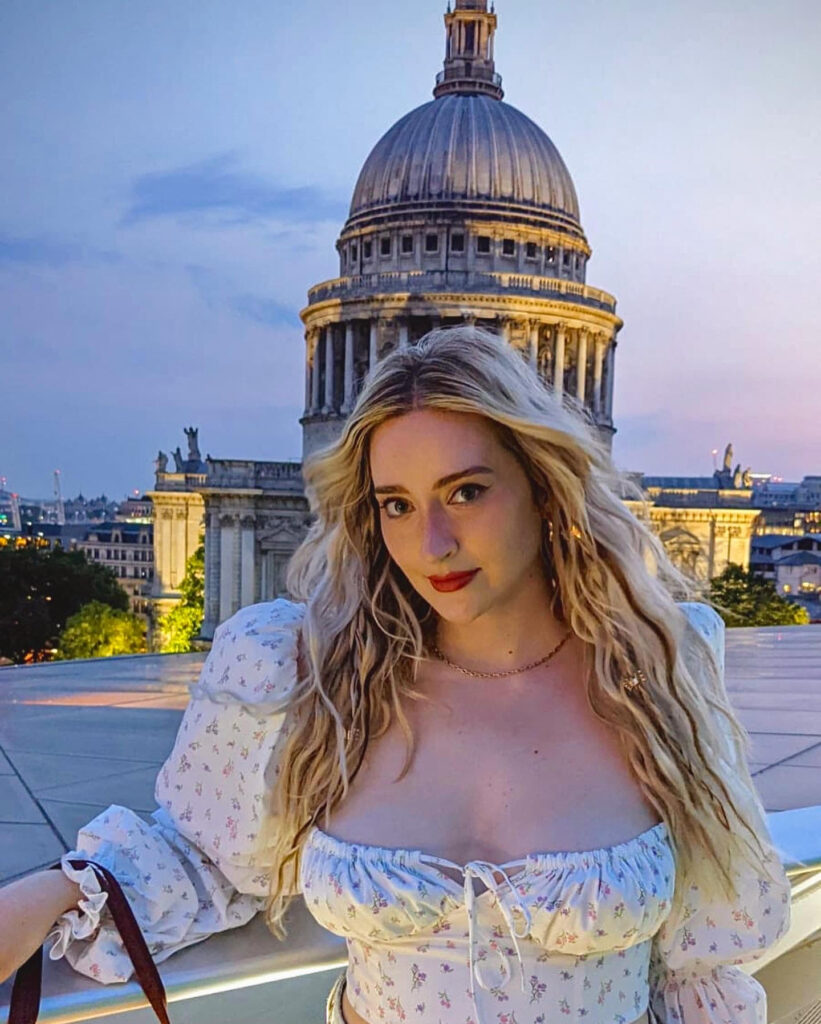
<point>467,150</point>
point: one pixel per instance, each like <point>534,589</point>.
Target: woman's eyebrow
<point>443,482</point>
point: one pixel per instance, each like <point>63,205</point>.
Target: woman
<point>484,742</point>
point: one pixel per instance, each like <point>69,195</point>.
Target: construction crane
<point>14,502</point>
<point>58,500</point>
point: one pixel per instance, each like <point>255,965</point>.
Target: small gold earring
<point>631,682</point>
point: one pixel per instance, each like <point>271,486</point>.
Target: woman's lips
<point>454,581</point>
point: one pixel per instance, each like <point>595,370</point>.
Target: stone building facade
<point>256,516</point>
<point>179,520</point>
<point>127,549</point>
<point>464,211</point>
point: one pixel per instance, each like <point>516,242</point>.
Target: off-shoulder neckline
<point>541,859</point>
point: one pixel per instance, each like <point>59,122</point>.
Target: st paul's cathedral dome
<point>463,211</point>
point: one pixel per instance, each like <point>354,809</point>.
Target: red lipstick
<point>453,581</point>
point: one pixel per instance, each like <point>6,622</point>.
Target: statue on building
<point>725,477</point>
<point>161,462</point>
<point>179,462</point>
<point>737,476</point>
<point>747,477</point>
<point>191,434</point>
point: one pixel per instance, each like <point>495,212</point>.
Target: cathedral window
<point>483,244</point>
<point>566,258</point>
<point>354,252</point>
<point>407,245</point>
<point>385,245</point>
<point>508,247</point>
<point>367,250</point>
<point>531,251</point>
<point>457,242</point>
<point>550,252</point>
<point>470,37</point>
<point>431,243</point>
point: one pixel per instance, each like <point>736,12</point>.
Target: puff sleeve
<point>694,973</point>
<point>196,870</point>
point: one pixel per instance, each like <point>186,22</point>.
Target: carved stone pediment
<point>283,537</point>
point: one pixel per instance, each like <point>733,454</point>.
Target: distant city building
<point>793,563</point>
<point>128,550</point>
<point>789,519</point>
<point>706,523</point>
<point>136,510</point>
<point>808,493</point>
<point>768,550</point>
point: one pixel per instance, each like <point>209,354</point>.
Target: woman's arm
<point>28,909</point>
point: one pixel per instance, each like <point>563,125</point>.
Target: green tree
<point>743,598</point>
<point>182,624</point>
<point>40,590</point>
<point>99,631</point>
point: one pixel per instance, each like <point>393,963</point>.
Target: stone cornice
<point>455,304</point>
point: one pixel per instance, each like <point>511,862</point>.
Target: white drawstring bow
<point>485,871</point>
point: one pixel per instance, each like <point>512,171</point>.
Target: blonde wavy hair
<point>366,630</point>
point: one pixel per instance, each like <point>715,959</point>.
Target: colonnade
<point>229,563</point>
<point>576,360</point>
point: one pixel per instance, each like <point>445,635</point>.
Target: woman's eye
<point>474,491</point>
<point>384,505</point>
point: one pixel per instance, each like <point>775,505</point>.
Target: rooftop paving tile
<point>16,804</point>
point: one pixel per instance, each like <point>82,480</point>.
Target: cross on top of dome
<point>469,67</point>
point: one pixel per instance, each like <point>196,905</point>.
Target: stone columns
<point>601,343</point>
<point>212,575</point>
<point>329,369</point>
<point>247,588</point>
<point>403,334</point>
<point>227,567</point>
<point>373,344</point>
<point>347,401</point>
<point>534,344</point>
<point>307,375</point>
<point>581,364</point>
<point>162,548</point>
<point>314,338</point>
<point>611,366</point>
<point>558,366</point>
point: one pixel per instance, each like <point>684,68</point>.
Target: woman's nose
<point>438,540</point>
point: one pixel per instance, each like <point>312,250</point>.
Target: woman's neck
<point>513,632</point>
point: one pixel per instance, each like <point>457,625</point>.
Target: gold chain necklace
<point>509,672</point>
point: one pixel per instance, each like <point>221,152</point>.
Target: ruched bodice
<point>549,933</point>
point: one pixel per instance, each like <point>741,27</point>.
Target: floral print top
<point>583,935</point>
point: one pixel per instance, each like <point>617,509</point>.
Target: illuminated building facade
<point>464,211</point>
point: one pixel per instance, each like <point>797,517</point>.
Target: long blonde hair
<point>365,629</point>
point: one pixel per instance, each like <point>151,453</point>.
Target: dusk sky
<point>175,174</point>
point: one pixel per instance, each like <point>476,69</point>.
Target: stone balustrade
<point>416,282</point>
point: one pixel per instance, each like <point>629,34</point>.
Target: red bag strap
<point>26,991</point>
